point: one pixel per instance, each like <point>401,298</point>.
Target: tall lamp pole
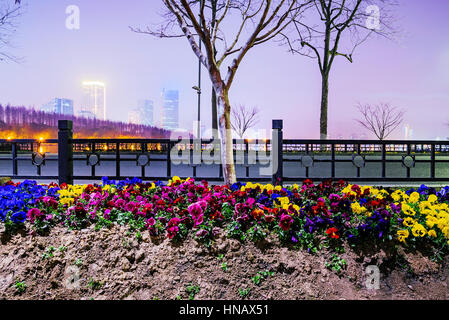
<point>198,89</point>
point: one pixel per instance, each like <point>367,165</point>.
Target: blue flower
<point>423,189</point>
<point>19,217</point>
<point>236,186</point>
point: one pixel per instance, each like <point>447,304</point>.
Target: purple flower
<point>202,233</point>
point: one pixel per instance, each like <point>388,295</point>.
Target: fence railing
<point>291,160</point>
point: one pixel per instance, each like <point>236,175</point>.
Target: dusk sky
<point>411,73</point>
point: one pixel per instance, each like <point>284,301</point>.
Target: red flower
<point>285,222</point>
<point>332,233</point>
<point>257,214</point>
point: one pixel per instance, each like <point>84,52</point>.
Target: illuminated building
<point>170,110</point>
<point>145,109</point>
<point>94,101</point>
<point>59,106</point>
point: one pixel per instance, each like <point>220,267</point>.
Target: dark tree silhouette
<point>243,119</point>
<point>9,14</point>
<point>336,28</point>
<point>381,119</point>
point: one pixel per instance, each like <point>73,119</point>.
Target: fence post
<point>65,151</point>
<point>276,152</point>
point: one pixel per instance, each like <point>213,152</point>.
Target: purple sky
<point>411,73</point>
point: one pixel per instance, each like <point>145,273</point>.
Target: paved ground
<point>291,169</point>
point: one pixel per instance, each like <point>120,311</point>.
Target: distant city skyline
<point>59,106</point>
<point>411,73</point>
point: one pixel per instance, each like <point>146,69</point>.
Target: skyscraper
<point>94,100</point>
<point>146,112</point>
<point>133,117</point>
<point>59,106</point>
<point>170,113</point>
<point>408,132</point>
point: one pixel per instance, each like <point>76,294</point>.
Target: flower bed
<point>308,216</point>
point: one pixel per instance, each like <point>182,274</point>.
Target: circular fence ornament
<point>38,159</point>
<point>93,159</point>
<point>143,160</point>
<point>408,161</point>
<point>307,161</point>
<point>358,161</point>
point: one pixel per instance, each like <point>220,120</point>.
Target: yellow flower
<point>425,207</point>
<point>296,207</point>
<point>409,222</point>
<point>407,209</point>
<point>414,197</point>
<point>432,233</point>
<point>418,230</point>
<point>283,201</point>
<point>431,221</point>
<point>357,208</point>
<point>402,235</point>
<point>445,231</point>
<point>432,198</point>
<point>396,197</point>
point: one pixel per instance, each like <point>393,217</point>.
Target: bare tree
<point>9,13</point>
<point>258,22</point>
<point>244,118</point>
<point>381,119</point>
<point>336,28</point>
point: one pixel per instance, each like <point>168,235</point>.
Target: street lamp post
<point>198,89</point>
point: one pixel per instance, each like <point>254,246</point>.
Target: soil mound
<point>112,264</point>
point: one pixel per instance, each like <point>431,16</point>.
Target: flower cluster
<point>306,215</point>
<point>17,199</point>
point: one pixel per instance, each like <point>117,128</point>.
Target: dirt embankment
<point>112,264</point>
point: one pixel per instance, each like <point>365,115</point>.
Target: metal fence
<point>295,160</point>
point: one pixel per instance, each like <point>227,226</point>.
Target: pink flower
<point>150,222</point>
<point>196,210</point>
<point>131,206</point>
<point>250,201</point>
<point>172,227</point>
<point>120,203</point>
<point>107,214</point>
<point>34,214</point>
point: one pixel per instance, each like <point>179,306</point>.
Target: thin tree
<point>244,118</point>
<point>259,22</point>
<point>9,14</point>
<point>381,119</point>
<point>337,28</point>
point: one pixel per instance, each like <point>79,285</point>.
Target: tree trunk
<point>227,152</point>
<point>324,106</point>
